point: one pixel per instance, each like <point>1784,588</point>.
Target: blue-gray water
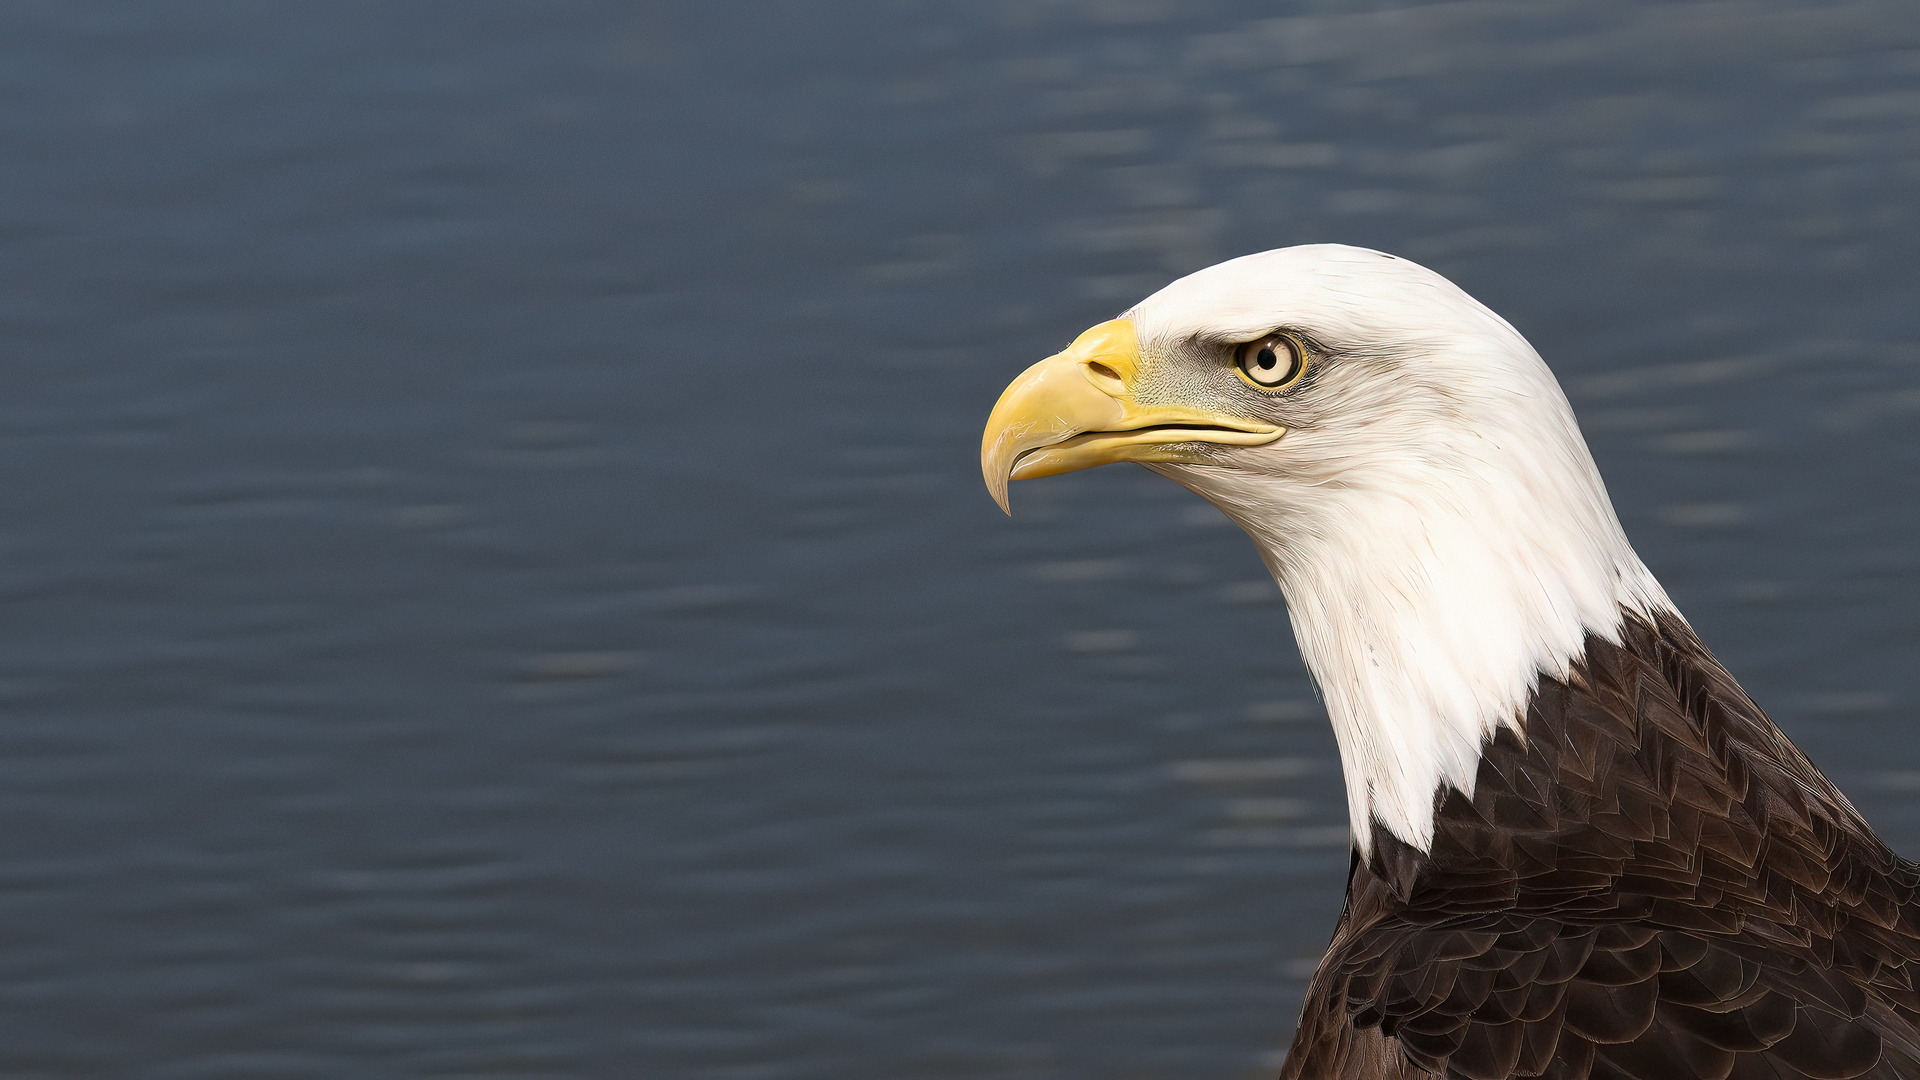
<point>496,580</point>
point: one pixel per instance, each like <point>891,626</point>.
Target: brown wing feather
<point>1652,883</point>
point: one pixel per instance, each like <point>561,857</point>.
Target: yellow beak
<point>1076,410</point>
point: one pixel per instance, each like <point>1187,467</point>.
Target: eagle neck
<point>1428,609</point>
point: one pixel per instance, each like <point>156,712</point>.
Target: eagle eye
<point>1271,363</point>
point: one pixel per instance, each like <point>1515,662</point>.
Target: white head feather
<point>1440,531</point>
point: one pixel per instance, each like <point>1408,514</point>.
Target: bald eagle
<point>1579,848</point>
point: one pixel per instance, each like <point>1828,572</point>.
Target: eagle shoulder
<point>1649,880</point>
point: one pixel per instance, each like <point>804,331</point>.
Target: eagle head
<point>1406,463</point>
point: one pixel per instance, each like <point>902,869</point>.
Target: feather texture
<point>1648,881</point>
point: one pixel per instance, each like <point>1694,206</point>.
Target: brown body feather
<point>1652,882</point>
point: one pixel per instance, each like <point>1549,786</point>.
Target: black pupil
<point>1267,359</point>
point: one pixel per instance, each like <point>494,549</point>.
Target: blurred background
<point>497,580</point>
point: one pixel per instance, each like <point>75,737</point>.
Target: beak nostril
<point>1104,371</point>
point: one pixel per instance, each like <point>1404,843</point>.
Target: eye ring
<point>1272,363</point>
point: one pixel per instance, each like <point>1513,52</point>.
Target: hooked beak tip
<point>999,474</point>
